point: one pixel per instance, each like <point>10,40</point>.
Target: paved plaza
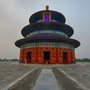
<point>16,76</point>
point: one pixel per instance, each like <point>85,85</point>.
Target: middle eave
<point>47,26</point>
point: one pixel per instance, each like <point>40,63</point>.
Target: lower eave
<point>70,41</point>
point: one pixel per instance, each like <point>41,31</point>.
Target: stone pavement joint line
<point>46,81</point>
<point>78,83</point>
<point>17,80</point>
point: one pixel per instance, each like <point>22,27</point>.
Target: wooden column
<point>36,59</point>
<point>57,59</point>
<point>61,57</point>
<point>71,57</point>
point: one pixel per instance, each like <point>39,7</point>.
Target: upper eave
<point>54,15</point>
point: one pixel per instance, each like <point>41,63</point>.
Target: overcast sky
<point>14,15</point>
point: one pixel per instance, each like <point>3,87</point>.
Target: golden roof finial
<point>47,7</point>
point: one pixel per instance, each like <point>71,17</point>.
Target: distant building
<point>47,39</point>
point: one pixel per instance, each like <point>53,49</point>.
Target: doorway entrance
<point>65,57</point>
<point>46,56</point>
<point>29,57</point>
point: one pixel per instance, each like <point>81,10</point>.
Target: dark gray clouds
<point>14,15</point>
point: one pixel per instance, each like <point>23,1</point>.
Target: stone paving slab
<point>46,81</point>
<point>80,72</point>
<point>28,82</point>
<point>64,82</point>
<point>10,71</point>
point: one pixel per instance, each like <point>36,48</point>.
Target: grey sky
<point>14,15</point>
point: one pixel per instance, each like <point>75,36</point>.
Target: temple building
<point>47,39</point>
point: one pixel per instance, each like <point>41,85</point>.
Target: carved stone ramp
<point>46,81</point>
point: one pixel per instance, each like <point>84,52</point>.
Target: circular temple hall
<point>47,39</point>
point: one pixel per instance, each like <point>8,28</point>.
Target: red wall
<point>56,55</point>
